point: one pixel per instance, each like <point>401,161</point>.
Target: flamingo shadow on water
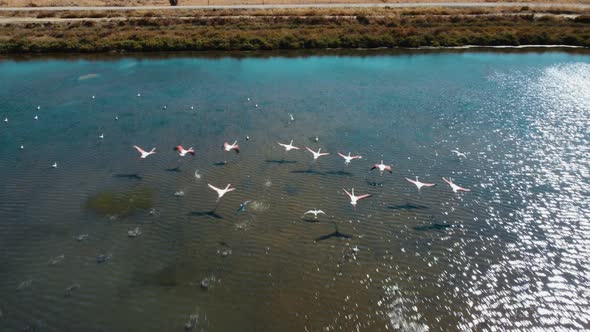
<point>308,171</point>
<point>335,234</point>
<point>339,173</point>
<point>280,162</point>
<point>211,214</point>
<point>130,176</point>
<point>407,206</point>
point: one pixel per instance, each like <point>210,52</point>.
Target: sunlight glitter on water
<point>544,277</point>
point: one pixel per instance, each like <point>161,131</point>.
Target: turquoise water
<point>510,254</point>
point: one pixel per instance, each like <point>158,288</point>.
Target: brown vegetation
<point>293,29</point>
<point>45,3</point>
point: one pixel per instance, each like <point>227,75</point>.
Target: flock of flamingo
<point>227,147</point>
<point>348,158</point>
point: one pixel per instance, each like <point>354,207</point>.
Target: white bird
<point>318,154</point>
<point>164,107</point>
<point>421,184</point>
<point>382,167</point>
<point>116,117</point>
<point>255,105</point>
<point>349,158</point>
<point>228,147</point>
<point>291,117</point>
<point>22,147</point>
<point>455,187</point>
<point>38,107</point>
<point>144,154</point>
<point>5,119</point>
<point>459,154</point>
<point>315,213</point>
<point>101,136</point>
<point>192,107</point>
<point>248,98</point>
<point>288,147</point>
<point>93,97</point>
<point>353,198</point>
<point>54,165</point>
<point>183,152</point>
<point>36,117</point>
<point>221,192</point>
<point>139,94</point>
<point>247,138</point>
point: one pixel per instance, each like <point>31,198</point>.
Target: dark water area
<point>107,241</point>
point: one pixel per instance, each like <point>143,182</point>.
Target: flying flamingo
<point>183,152</point>
<point>421,184</point>
<point>318,154</point>
<point>354,198</point>
<point>382,167</point>
<point>314,212</point>
<point>221,192</point>
<point>455,187</point>
<point>289,146</point>
<point>459,154</point>
<point>144,154</point>
<point>228,147</point>
<point>349,158</point>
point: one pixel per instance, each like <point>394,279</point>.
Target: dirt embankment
<point>78,3</point>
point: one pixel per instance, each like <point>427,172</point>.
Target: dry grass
<point>293,30</point>
<point>44,3</point>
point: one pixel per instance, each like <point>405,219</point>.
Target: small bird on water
<point>54,165</point>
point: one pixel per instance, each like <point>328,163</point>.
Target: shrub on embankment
<point>291,32</point>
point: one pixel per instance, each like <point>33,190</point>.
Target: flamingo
<point>221,192</point>
<point>318,154</point>
<point>289,146</point>
<point>228,147</point>
<point>455,187</point>
<point>382,167</point>
<point>315,213</point>
<point>421,184</point>
<point>353,198</point>
<point>459,154</point>
<point>144,154</point>
<point>183,152</point>
<point>349,158</point>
